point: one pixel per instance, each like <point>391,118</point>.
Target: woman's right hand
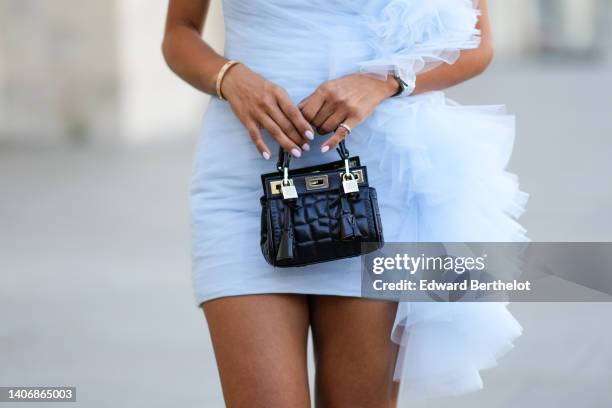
<point>259,103</point>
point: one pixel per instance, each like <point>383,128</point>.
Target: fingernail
<point>324,149</point>
<point>266,155</point>
<point>306,147</point>
<point>296,152</point>
<point>309,135</point>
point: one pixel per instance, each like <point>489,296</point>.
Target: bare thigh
<point>355,357</point>
<point>260,345</point>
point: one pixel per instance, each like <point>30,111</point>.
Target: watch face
<point>407,89</point>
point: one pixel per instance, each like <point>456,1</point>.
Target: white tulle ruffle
<point>410,37</point>
<point>447,166</point>
<point>443,346</point>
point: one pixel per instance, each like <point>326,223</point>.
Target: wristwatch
<point>407,85</point>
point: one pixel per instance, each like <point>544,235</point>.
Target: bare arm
<point>186,54</point>
<point>470,63</point>
<point>257,102</point>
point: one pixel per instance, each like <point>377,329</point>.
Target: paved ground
<point>94,261</point>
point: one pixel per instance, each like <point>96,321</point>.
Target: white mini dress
<point>438,168</point>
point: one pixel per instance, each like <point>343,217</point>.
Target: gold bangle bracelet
<point>226,67</point>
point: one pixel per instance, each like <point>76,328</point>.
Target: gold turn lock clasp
<point>317,182</point>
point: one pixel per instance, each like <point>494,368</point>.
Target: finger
<point>311,105</point>
<point>258,141</point>
<point>331,124</point>
<point>295,116</point>
<point>324,113</point>
<point>339,135</point>
<point>287,127</point>
<point>303,102</point>
<point>281,138</point>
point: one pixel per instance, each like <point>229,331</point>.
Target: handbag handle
<point>284,158</point>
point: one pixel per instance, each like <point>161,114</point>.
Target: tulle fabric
<point>450,172</point>
<point>409,37</point>
<point>439,169</point>
<point>443,346</point>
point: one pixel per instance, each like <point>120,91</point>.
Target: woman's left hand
<point>348,100</point>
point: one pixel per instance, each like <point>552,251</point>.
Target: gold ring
<point>345,127</point>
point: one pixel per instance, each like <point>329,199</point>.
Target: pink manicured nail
<point>266,155</point>
<point>296,152</point>
<point>324,149</point>
<point>306,147</point>
<point>309,135</point>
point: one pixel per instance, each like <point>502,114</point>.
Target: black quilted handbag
<point>319,213</point>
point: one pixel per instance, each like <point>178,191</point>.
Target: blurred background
<point>96,144</point>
